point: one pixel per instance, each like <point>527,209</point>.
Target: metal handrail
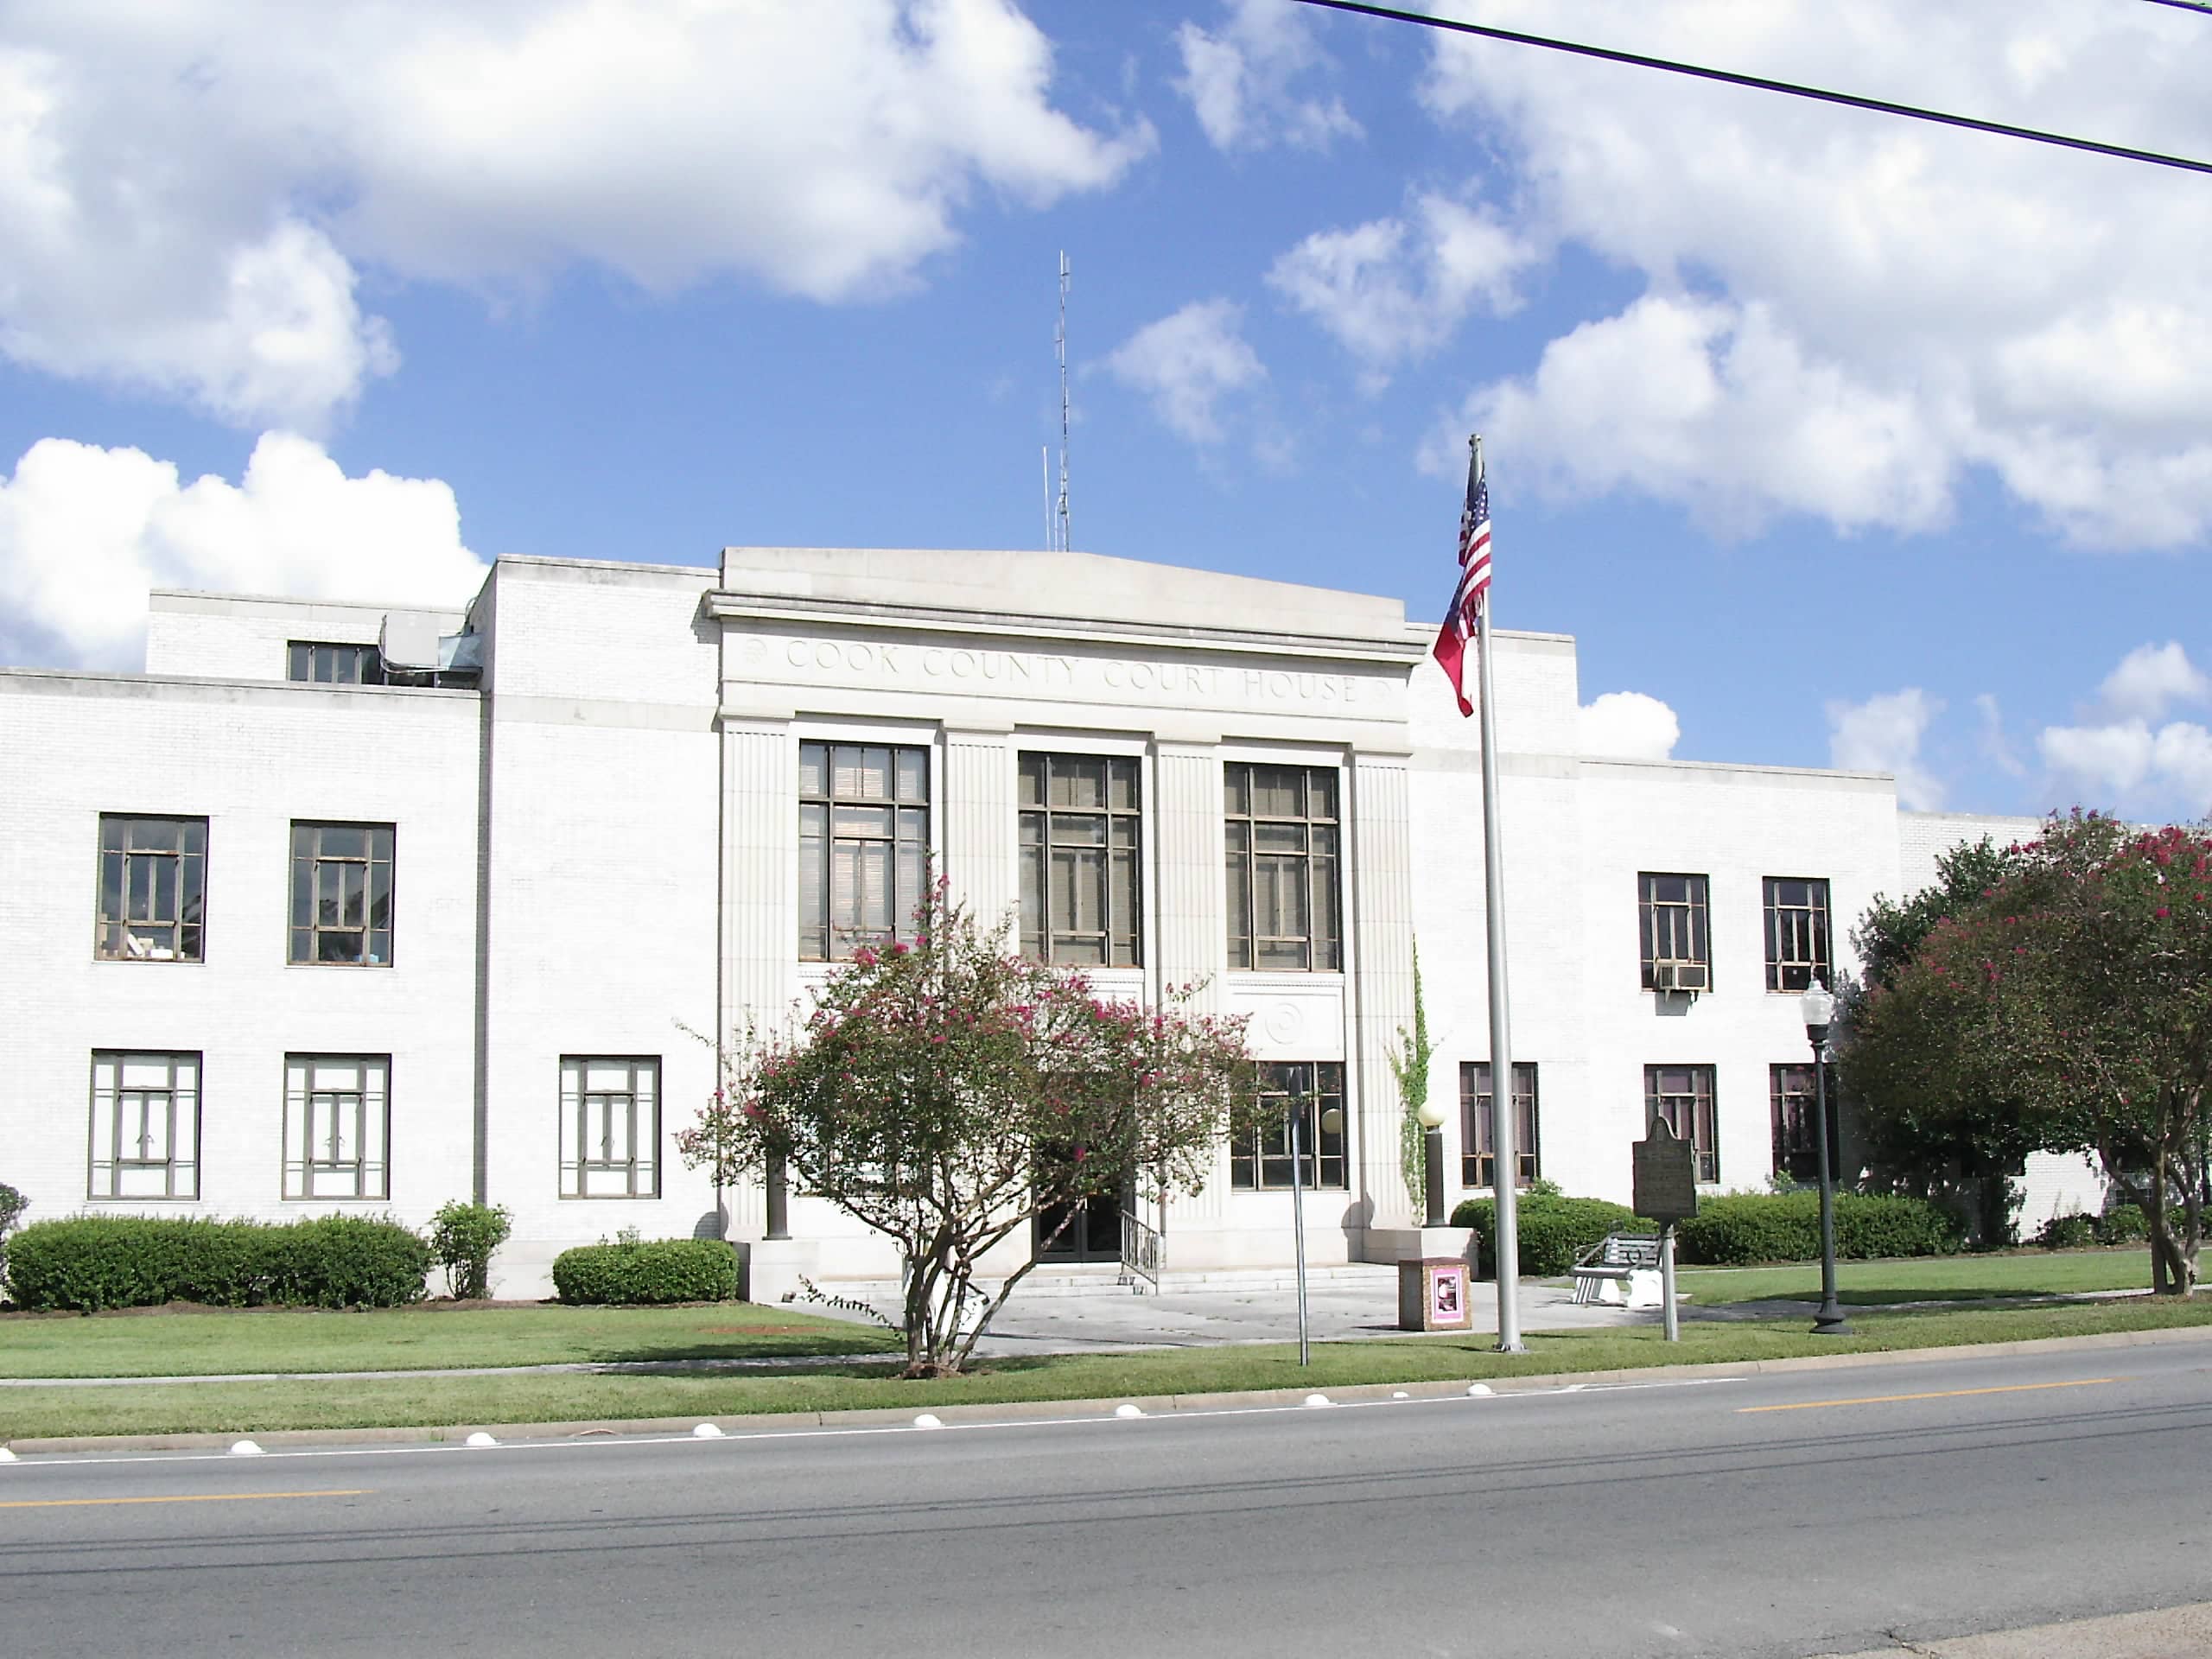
<point>1141,1249</point>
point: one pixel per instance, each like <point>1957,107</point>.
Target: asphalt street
<point>1794,1513</point>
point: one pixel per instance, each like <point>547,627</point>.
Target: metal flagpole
<point>1505,1164</point>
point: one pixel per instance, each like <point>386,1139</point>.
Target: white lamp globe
<point>1430,1114</point>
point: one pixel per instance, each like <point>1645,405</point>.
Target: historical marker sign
<point>1666,1177</point>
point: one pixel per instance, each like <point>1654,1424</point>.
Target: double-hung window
<point>341,893</point>
<point>1790,1104</point>
<point>323,663</point>
<point>1672,925</point>
<point>1283,838</point>
<point>152,889</point>
<point>1478,1159</point>
<point>610,1127</point>
<point>1079,838</point>
<point>863,845</point>
<point>1680,1096</point>
<point>336,1126</point>
<point>145,1126</point>
<point>1260,1156</point>
<point>1796,933</point>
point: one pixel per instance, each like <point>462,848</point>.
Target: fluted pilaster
<point>759,832</point>
<point>1383,988</point>
<point>978,822</point>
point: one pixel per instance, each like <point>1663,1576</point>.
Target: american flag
<point>1473,591</point>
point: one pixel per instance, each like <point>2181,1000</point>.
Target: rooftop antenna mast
<point>1060,340</point>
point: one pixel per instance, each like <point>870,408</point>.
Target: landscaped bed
<point>27,1413</point>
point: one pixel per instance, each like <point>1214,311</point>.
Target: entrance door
<point>1091,1233</point>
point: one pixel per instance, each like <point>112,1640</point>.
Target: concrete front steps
<point>1106,1278</point>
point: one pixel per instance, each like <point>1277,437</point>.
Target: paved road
<point>1787,1514</point>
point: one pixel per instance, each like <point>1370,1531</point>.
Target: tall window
<point>1789,1098</point>
<point>1283,833</point>
<point>1680,1096</point>
<point>1478,1157</point>
<point>1796,933</point>
<point>336,1126</point>
<point>863,845</point>
<point>1079,889</point>
<point>145,1126</point>
<point>152,889</point>
<point>1260,1157</point>
<point>1671,918</point>
<point>341,893</point>
<point>330,664</point>
<point>610,1127</point>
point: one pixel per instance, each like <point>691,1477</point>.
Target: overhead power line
<point>1762,83</point>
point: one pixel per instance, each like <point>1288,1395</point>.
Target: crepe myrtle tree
<point>2079,985</point>
<point>948,1091</point>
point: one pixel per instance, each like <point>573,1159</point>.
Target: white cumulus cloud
<point>1186,362</point>
<point>85,532</point>
<point>1242,81</point>
<point>1879,305</point>
<point>2124,754</point>
<point>1394,290</point>
<point>1630,726</point>
<point>1883,734</point>
<point>190,193</point>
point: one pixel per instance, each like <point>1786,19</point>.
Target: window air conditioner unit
<point>1673,975</point>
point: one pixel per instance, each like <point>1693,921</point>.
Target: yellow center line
<point>188,1498</point>
<point>1940,1393</point>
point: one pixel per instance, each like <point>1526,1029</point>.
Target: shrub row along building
<point>348,906</point>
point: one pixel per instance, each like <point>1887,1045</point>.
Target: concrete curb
<point>901,1417</point>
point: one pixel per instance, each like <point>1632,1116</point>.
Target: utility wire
<point>1761,83</point>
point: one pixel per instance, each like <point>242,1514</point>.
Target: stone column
<point>1382,983</point>
<point>1190,939</point>
<point>978,822</point>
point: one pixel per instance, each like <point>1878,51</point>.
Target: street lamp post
<point>1819,1009</point>
<point>1431,1117</point>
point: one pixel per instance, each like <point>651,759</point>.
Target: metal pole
<point>1667,1282</point>
<point>1431,1175</point>
<point>1829,1320</point>
<point>1298,1216</point>
<point>1505,1165</point>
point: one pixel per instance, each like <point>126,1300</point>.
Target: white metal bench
<point>1611,1260</point>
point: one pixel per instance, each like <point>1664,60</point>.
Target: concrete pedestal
<point>772,1268</point>
<point>1420,1244</point>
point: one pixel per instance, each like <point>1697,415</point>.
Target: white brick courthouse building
<point>341,906</point>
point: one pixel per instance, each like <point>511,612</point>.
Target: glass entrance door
<point>1086,1229</point>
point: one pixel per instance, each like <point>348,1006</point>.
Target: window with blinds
<point>1079,860</point>
<point>1282,838</point>
<point>336,1126</point>
<point>863,845</point>
<point>145,1126</point>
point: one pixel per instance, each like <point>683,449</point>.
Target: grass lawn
<point>1939,1278</point>
<point>202,1342</point>
<point>249,1406</point>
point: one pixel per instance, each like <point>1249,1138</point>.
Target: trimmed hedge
<point>1743,1229</point>
<point>1552,1231</point>
<point>636,1272</point>
<point>86,1263</point>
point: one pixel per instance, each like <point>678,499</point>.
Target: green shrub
<point>2071,1232</point>
<point>655,1270</point>
<point>462,1238</point>
<point>1743,1227</point>
<point>1552,1231</point>
<point>12,1205</point>
<point>2124,1223</point>
<point>86,1263</point>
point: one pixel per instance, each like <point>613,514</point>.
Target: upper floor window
<point>1790,1105</point>
<point>1671,923</point>
<point>1478,1159</point>
<point>336,1126</point>
<point>334,665</point>
<point>863,845</point>
<point>341,893</point>
<point>153,888</point>
<point>610,1127</point>
<point>1283,839</point>
<point>1680,1096</point>
<point>1796,933</point>
<point>1260,1157</point>
<point>1079,881</point>
<point>145,1126</point>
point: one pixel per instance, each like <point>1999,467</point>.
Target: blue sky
<point>1834,439</point>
